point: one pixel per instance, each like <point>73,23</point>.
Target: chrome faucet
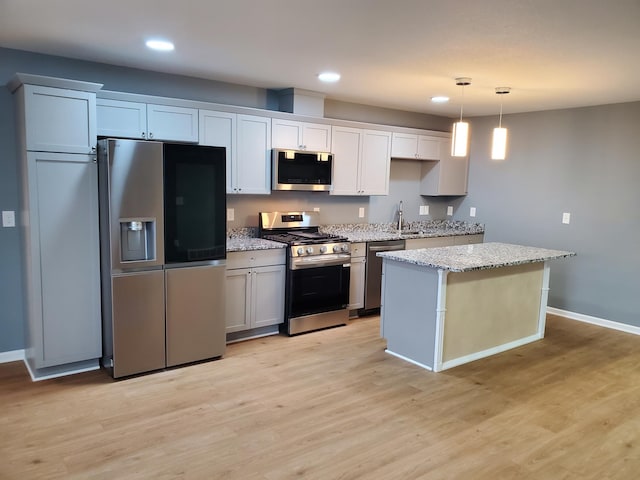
<point>400,213</point>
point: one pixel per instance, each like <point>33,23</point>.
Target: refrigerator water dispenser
<point>137,240</point>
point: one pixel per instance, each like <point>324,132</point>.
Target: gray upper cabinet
<point>56,129</point>
<point>413,146</point>
<point>295,135</point>
<point>124,119</point>
<point>58,120</point>
<point>121,119</point>
<point>247,140</point>
<point>448,176</point>
<point>361,161</point>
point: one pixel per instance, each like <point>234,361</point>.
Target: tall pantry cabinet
<point>56,123</point>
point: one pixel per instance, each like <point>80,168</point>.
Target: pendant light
<point>460,137</point>
<point>499,144</point>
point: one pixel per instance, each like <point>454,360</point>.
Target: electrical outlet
<point>231,213</point>
<point>424,209</point>
<point>361,212</point>
<point>8,218</point>
<point>449,211</point>
<point>472,212</point>
<point>316,209</point>
<point>566,218</point>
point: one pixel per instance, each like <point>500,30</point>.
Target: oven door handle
<point>311,262</point>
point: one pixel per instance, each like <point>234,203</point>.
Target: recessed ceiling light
<point>160,45</point>
<point>440,99</point>
<point>329,77</point>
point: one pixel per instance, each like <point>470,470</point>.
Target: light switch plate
<point>8,218</point>
<point>566,218</point>
<point>231,213</point>
<point>316,209</point>
<point>424,209</point>
<point>361,212</point>
<point>472,212</point>
<point>449,210</point>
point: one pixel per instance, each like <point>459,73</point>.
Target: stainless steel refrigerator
<point>163,250</point>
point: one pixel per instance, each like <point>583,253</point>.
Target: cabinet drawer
<point>256,258</point>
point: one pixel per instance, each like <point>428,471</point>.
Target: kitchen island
<point>442,307</point>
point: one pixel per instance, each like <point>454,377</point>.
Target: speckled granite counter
<point>245,239</point>
<point>243,244</point>
<point>445,306</point>
<point>371,232</point>
<point>481,256</point>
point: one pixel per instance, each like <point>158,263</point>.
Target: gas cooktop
<point>303,237</point>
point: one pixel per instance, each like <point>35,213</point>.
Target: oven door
<point>317,289</point>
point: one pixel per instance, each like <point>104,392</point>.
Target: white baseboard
<point>490,351</point>
<point>12,356</point>
<point>426,367</point>
<point>601,322</point>
<point>62,370</point>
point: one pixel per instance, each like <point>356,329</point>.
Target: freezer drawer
<point>195,313</point>
<point>138,323</point>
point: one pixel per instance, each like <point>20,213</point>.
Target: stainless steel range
<point>318,267</point>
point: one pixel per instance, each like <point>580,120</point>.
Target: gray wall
<point>333,209</point>
<point>584,161</point>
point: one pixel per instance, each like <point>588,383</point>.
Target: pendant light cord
<point>462,104</point>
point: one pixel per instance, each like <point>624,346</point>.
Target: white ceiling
<point>391,53</point>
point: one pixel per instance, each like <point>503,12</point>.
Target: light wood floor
<point>333,405</point>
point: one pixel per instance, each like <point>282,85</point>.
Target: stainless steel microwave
<point>301,170</point>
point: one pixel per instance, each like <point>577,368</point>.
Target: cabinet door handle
<point>150,135</point>
<point>143,135</point>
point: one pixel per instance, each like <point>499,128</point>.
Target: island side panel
<point>408,311</point>
<point>488,311</point>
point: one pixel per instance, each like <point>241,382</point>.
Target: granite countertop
<point>371,232</point>
<point>246,239</point>
<point>480,256</point>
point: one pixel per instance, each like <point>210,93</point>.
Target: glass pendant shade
<point>499,145</point>
<point>460,139</point>
<point>499,142</point>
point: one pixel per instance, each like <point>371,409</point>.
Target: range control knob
<point>336,248</point>
<point>323,249</point>
<point>300,251</point>
<point>309,250</point>
<point>344,248</point>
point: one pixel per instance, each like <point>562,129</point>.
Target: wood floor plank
<point>333,405</point>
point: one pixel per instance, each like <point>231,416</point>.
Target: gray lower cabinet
<point>357,275</point>
<point>254,289</point>
<point>63,253</point>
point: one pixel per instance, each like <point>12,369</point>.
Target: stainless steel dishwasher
<point>373,271</point>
